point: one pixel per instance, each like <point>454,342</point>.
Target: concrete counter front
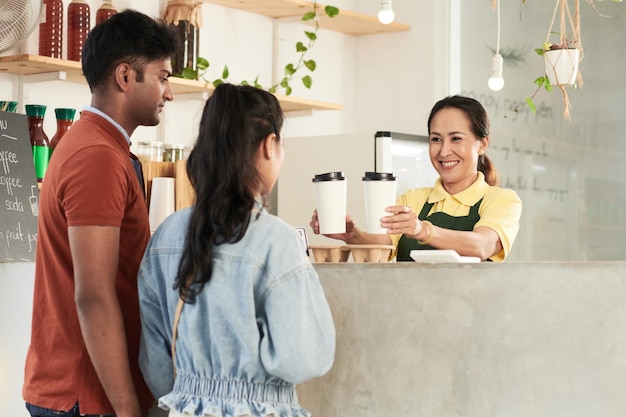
<point>474,340</point>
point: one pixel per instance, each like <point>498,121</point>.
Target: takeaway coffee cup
<point>379,190</point>
<point>330,200</point>
<point>162,202</point>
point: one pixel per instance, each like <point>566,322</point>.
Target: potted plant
<point>290,69</point>
<point>561,58</point>
<point>561,62</point>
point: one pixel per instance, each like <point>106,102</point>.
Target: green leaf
<point>300,47</point>
<point>539,51</point>
<point>202,64</point>
<point>225,72</point>
<point>310,64</point>
<point>244,82</point>
<point>272,89</point>
<point>307,81</point>
<point>289,69</point>
<point>190,74</point>
<point>308,16</point>
<point>531,105</point>
<point>288,91</point>
<point>311,35</point>
<point>540,81</point>
<point>284,82</point>
<point>217,82</point>
<point>332,11</point>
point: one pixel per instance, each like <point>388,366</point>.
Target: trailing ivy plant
<point>291,69</point>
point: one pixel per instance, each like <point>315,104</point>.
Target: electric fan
<point>18,18</point>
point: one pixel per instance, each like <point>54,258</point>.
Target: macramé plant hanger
<point>562,58</point>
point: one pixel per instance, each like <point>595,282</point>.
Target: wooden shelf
<point>346,22</point>
<point>36,64</point>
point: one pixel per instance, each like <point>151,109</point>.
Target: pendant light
<point>496,82</point>
<point>386,14</point>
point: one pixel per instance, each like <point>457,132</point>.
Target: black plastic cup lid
<point>330,176</point>
<point>379,176</point>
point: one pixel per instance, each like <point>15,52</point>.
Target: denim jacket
<point>261,325</point>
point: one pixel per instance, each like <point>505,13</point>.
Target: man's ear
<point>121,75</point>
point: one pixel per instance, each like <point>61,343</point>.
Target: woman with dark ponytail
<point>255,320</point>
<point>466,210</point>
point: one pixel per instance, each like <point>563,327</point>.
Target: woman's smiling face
<point>454,149</point>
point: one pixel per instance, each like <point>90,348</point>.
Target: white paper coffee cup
<point>330,200</point>
<point>162,201</point>
<point>379,190</point>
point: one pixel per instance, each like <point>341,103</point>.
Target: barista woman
<point>465,210</point>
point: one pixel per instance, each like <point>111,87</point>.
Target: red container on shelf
<point>65,119</point>
<point>105,11</point>
<point>78,25</point>
<point>51,29</point>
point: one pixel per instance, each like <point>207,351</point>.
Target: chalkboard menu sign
<point>19,194</point>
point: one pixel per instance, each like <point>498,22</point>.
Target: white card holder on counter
<point>441,256</point>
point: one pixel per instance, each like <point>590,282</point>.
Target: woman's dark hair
<point>479,122</point>
<point>222,171</point>
<point>129,36</point>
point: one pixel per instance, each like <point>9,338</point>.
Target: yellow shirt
<point>500,209</point>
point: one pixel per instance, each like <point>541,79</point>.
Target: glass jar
<point>51,29</point>
<point>105,11</point>
<point>150,151</point>
<point>143,152</point>
<point>188,46</point>
<point>173,153</point>
<point>38,139</point>
<point>78,24</point>
<point>65,118</point>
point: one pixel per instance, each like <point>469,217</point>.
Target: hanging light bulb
<point>386,15</point>
<point>496,82</point>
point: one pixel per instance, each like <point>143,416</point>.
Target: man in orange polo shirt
<point>93,228</point>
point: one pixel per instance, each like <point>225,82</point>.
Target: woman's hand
<point>315,225</point>
<point>404,221</point>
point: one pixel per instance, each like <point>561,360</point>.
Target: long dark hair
<point>222,171</point>
<point>479,121</point>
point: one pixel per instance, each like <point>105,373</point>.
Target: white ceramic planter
<point>562,65</point>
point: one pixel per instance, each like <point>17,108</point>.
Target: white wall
<point>384,82</point>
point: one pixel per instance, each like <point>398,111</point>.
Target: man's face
<point>149,92</point>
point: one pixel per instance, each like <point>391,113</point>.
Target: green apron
<point>463,223</point>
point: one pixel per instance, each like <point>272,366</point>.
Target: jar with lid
<point>65,119</point>
<point>174,152</point>
<point>78,25</point>
<point>187,52</point>
<point>143,152</point>
<point>51,29</point>
<point>156,151</point>
<point>105,11</point>
<point>185,16</point>
<point>148,151</point>
<point>38,139</point>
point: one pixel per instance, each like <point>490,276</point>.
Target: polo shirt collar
<point>110,120</point>
<point>468,197</point>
